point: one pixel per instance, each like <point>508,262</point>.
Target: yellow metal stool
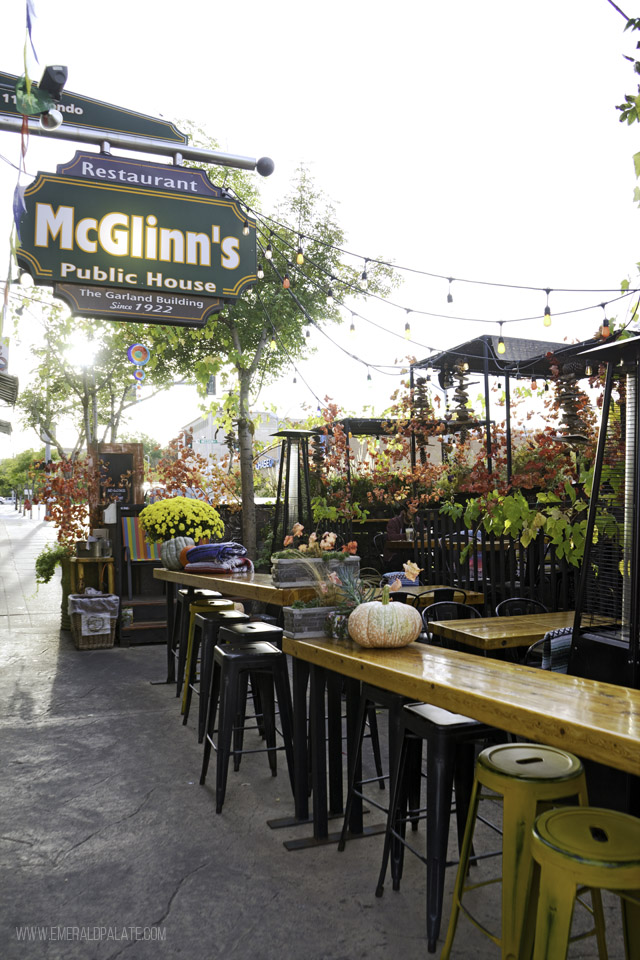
<point>585,846</point>
<point>198,606</point>
<point>525,776</point>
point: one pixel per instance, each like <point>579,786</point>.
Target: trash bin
<point>93,619</point>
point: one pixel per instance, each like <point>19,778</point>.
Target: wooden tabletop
<point>422,592</point>
<point>596,721</point>
<point>496,633</point>
<point>247,586</point>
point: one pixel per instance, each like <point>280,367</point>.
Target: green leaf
<point>34,102</point>
<point>636,163</point>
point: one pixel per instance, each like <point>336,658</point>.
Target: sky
<point>477,141</point>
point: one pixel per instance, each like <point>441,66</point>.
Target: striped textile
<point>134,541</point>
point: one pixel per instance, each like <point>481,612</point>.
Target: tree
<point>250,343</point>
<point>14,472</point>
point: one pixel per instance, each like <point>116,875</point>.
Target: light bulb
<point>26,280</point>
<point>245,229</point>
<point>307,331</point>
<point>268,252</point>
<point>547,316</point>
<point>352,328</point>
<point>273,345</point>
<point>501,346</point>
<point>51,120</point>
<point>534,384</point>
<point>605,328</point>
<point>300,257</point>
<point>407,331</point>
<point>588,370</point>
<point>364,278</point>
<point>260,272</point>
<point>368,375</point>
<point>330,296</point>
<point>295,380</point>
<point>286,283</point>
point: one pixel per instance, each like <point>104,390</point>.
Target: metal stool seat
<point>186,640</point>
<point>183,596</point>
<point>525,776</point>
<point>451,739</point>
<point>268,667</point>
<point>591,847</point>
<point>205,636</point>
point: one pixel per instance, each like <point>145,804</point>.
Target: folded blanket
<point>232,565</point>
<point>215,552</point>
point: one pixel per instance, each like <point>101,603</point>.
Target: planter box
<point>306,622</point>
<point>297,573</point>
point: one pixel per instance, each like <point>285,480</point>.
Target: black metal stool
<point>247,632</point>
<point>206,627</point>
<point>268,667</point>
<point>451,740</point>
<point>183,598</point>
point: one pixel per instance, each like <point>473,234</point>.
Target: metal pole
<point>486,403</point>
<point>507,411</point>
<point>265,166</point>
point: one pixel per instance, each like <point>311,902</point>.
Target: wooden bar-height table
<point>246,586</point>
<point>596,721</point>
<point>492,634</point>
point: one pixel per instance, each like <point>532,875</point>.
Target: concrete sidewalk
<point>108,845</point>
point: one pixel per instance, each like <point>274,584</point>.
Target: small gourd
<point>383,624</point>
<point>170,551</point>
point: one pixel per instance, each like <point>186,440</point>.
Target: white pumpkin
<point>383,624</point>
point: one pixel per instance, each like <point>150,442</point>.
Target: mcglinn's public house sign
<point>136,241</point>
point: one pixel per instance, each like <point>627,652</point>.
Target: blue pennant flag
<point>31,15</point>
<point>19,207</point>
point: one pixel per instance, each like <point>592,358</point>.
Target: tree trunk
<point>245,440</point>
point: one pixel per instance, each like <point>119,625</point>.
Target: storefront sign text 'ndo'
<point>150,227</point>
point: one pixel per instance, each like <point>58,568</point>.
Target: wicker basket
<point>91,641</point>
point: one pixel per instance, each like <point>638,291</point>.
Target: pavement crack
<point>160,920</point>
<point>29,843</point>
<point>106,826</point>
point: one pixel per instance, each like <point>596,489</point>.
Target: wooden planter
<point>308,573</point>
<point>306,622</point>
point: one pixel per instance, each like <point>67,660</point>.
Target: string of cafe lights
<point>268,252</point>
<point>273,239</point>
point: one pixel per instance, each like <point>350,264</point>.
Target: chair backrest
<point>519,606</point>
<point>446,610</point>
<point>135,542</point>
<point>379,540</point>
<point>552,652</point>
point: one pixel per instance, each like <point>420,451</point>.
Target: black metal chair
<point>446,610</point>
<point>379,541</point>
<point>519,606</point>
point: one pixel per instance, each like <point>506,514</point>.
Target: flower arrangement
<point>312,547</point>
<point>181,517</point>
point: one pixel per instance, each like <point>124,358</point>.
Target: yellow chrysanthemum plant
<point>181,517</point>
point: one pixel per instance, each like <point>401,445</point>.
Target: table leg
<point>111,578</point>
<point>334,740</point>
<point>300,749</point>
<point>171,668</point>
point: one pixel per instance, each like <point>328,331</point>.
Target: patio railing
<point>500,567</point>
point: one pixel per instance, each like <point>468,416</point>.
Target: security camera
<point>53,81</point>
<point>51,120</point>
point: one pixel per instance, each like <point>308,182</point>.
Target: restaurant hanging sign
<point>87,113</point>
<point>136,241</point>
